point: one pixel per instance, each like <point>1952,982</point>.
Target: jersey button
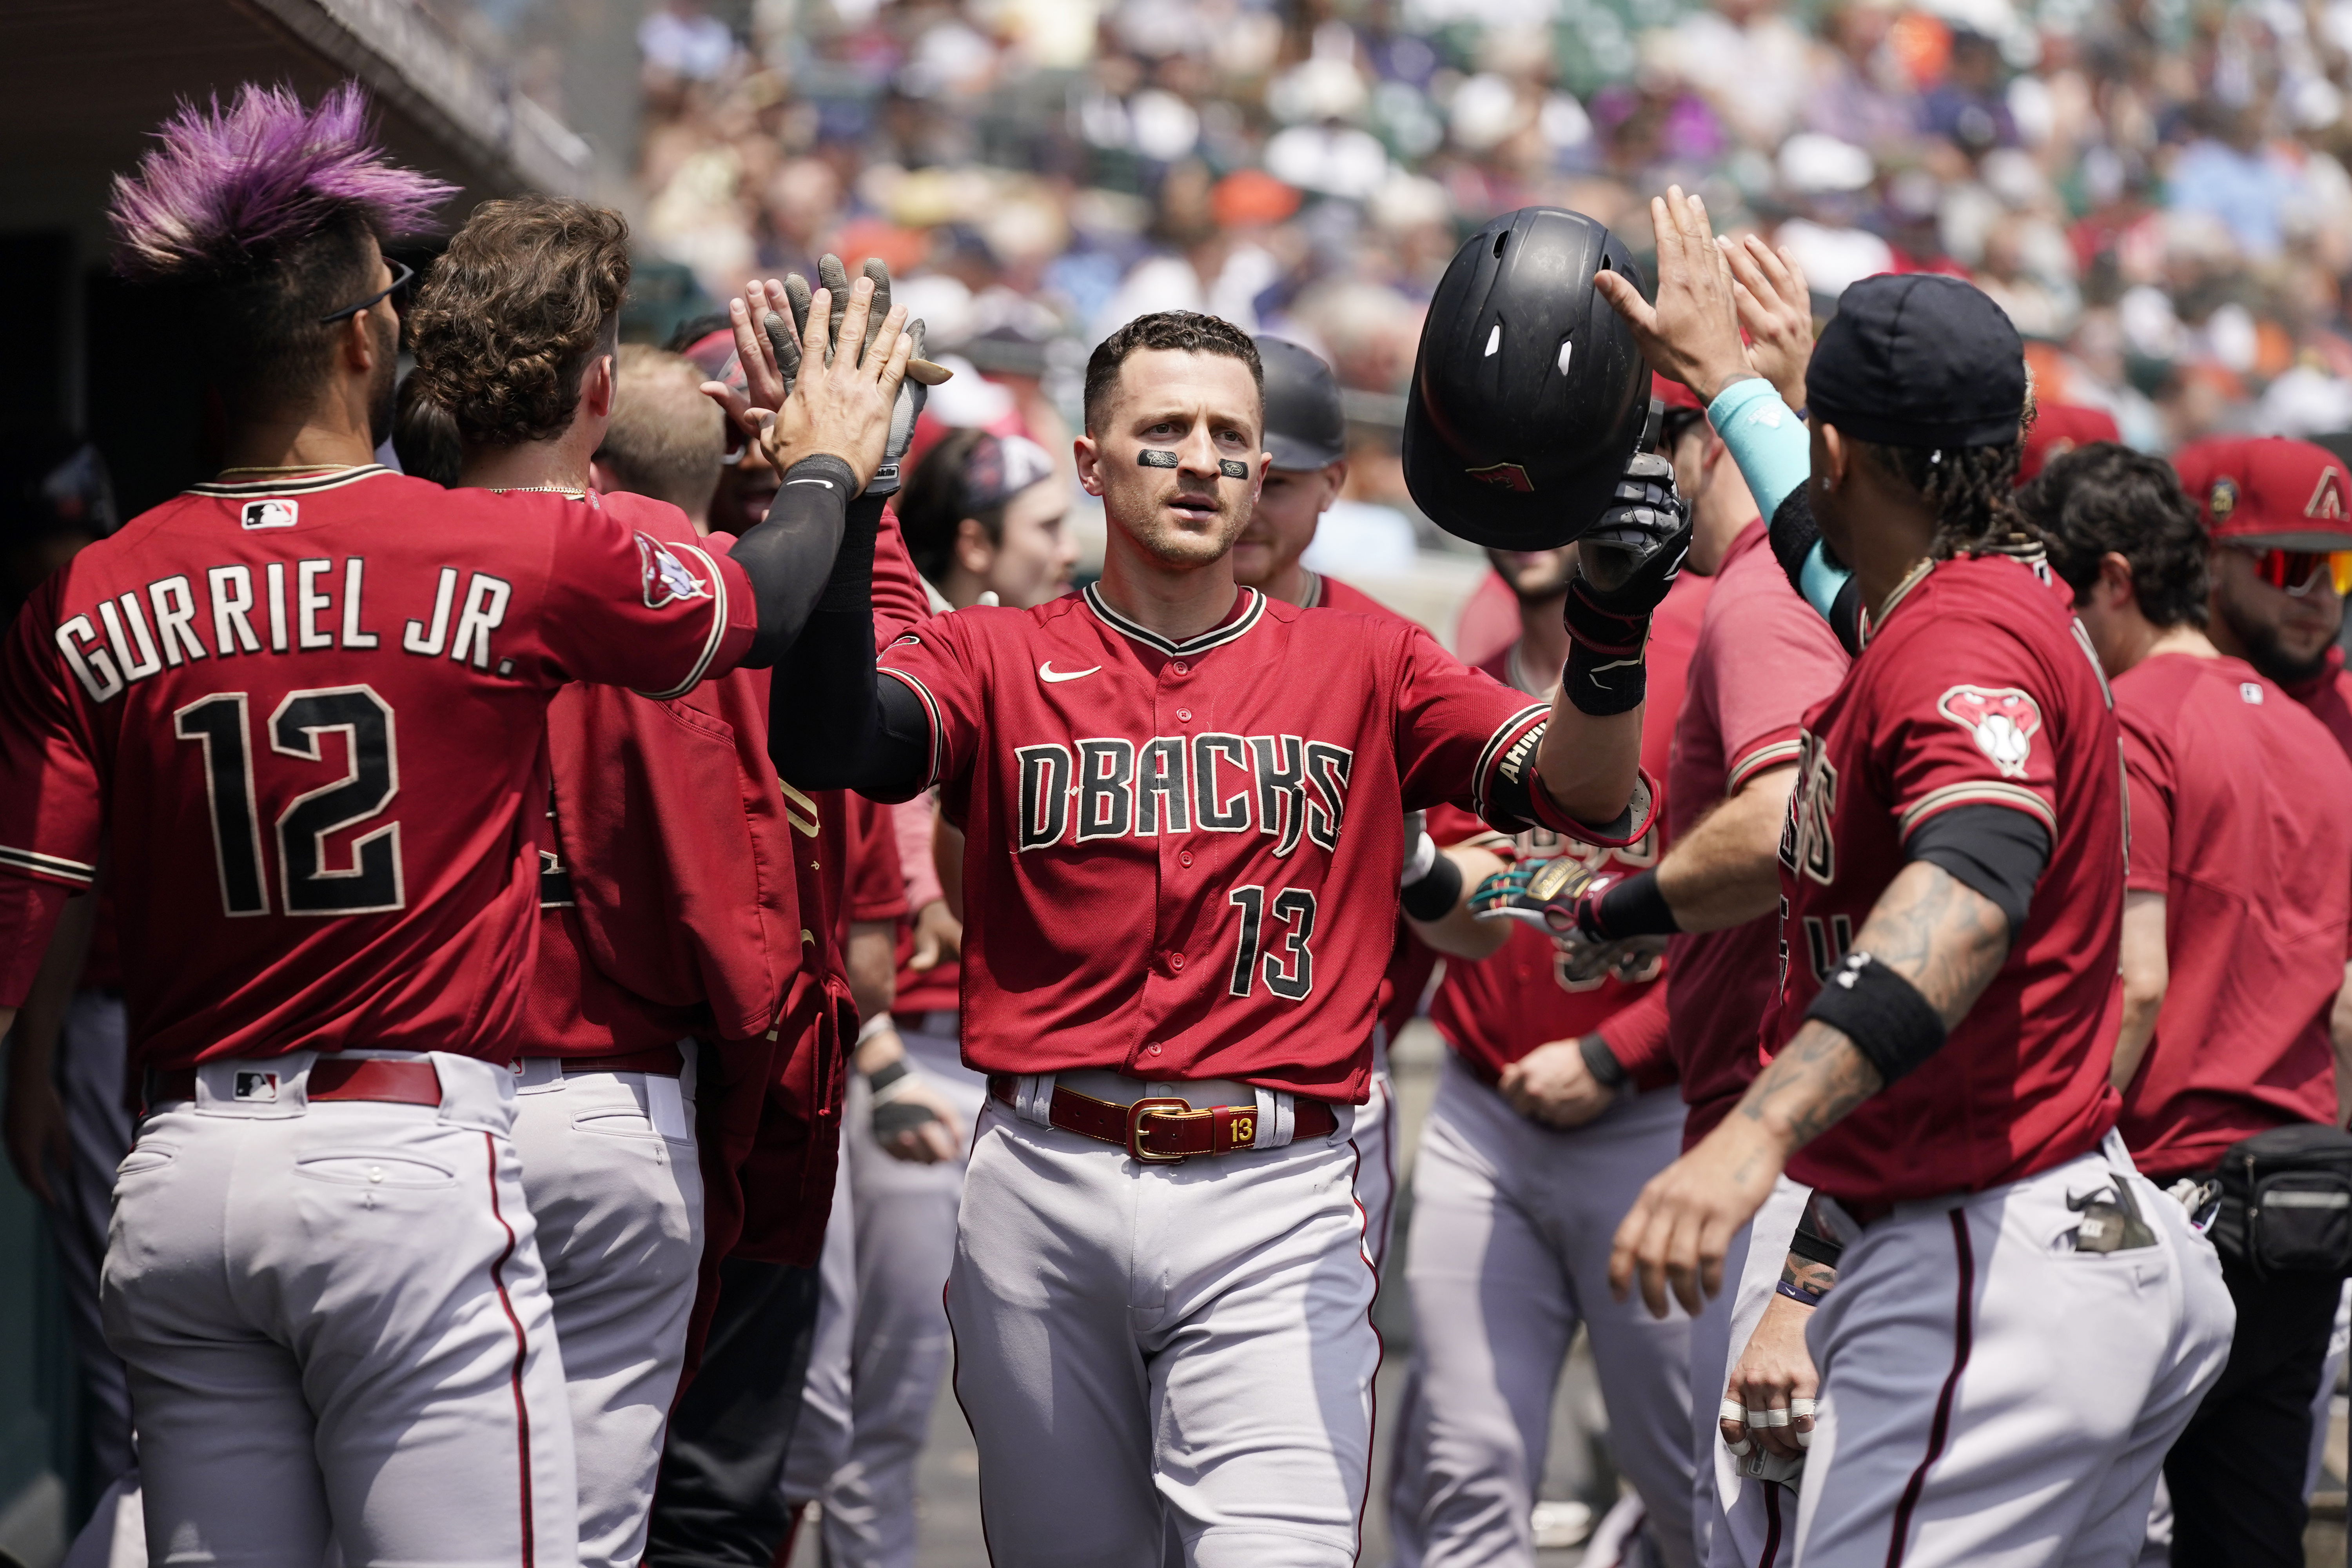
<point>1180,668</point>
<point>1183,715</point>
<point>1175,963</point>
<point>1183,857</point>
<point>1153,1050</point>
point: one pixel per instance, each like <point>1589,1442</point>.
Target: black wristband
<point>850,585</point>
<point>1894,1026</point>
<point>1635,906</point>
<point>1602,1062</point>
<point>1435,896</point>
<point>883,1077</point>
<point>1810,1243</point>
<point>1603,683</point>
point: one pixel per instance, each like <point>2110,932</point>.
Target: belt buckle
<point>1136,1112</point>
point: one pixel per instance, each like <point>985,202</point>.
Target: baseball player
<point>1306,436</point>
<point>1182,803</point>
<point>770,1133</point>
<point>2259,550</point>
<point>1763,658</point>
<point>603,1102</point>
<point>2018,1324</point>
<point>2239,839</point>
<point>981,514</point>
<point>1515,1192</point>
<point>322,1274</point>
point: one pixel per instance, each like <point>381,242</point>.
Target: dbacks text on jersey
<point>1286,786</point>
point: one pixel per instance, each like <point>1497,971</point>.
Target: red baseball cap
<point>2059,428</point>
<point>2269,491</point>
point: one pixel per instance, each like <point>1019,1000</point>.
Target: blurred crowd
<point>2157,193</point>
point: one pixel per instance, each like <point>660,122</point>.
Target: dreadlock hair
<point>1971,490</point>
<point>934,506</point>
<point>270,215</point>
<point>528,293</point>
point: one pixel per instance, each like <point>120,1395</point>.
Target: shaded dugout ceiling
<point>84,82</point>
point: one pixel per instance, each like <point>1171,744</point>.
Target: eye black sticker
<point>1151,458</point>
<point>1232,467</point>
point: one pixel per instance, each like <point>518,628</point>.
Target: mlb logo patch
<point>269,513</point>
<point>257,1086</point>
<point>666,579</point>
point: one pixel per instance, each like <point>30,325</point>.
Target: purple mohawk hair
<point>225,188</point>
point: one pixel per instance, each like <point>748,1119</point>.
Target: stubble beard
<point>2263,652</point>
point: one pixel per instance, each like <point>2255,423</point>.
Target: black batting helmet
<point>1529,394</point>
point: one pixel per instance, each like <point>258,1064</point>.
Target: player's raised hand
<point>1777,310</point>
<point>1692,333</point>
<point>842,405</point>
<point>768,352</point>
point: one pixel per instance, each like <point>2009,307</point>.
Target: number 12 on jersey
<point>1290,967</point>
<point>371,883</point>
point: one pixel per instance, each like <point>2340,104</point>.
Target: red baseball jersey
<point>1496,1010</point>
<point>1181,859</point>
<point>1763,658</point>
<point>307,717</point>
<point>2237,818</point>
<point>1411,961</point>
<point>1977,687</point>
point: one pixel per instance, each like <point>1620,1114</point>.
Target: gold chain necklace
<point>577,492</point>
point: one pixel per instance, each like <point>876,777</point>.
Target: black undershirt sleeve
<point>1994,851</point>
<point>834,722</point>
<point>789,555</point>
<point>1792,533</point>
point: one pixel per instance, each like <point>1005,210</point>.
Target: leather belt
<point>332,1077</point>
<point>1161,1131</point>
<point>662,1061</point>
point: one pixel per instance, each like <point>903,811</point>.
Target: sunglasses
<point>402,275</point>
<point>2297,570</point>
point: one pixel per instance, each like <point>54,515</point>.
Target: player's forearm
<point>832,722</point>
<point>1725,871</point>
<point>1457,933</point>
<point>1947,942</point>
<point>2146,974</point>
<point>41,1023</point>
<point>1589,763</point>
<point>873,965</point>
<point>790,556</point>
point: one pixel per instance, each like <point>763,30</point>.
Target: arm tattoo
<point>1945,938</point>
<point>1807,1274</point>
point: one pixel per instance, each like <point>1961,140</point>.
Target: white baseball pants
<point>336,1322</point>
<point>610,1170</point>
<point>1189,1341</point>
<point>1741,1522</point>
<point>1376,1140</point>
<point>1512,1223</point>
<point>1994,1398</point>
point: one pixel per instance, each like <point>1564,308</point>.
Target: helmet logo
<point>1503,476</point>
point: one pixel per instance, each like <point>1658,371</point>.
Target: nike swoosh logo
<point>1046,671</point>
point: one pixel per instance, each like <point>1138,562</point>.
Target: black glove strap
<point>1635,907</point>
<point>1605,674</point>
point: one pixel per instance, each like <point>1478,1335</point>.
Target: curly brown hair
<point>529,291</point>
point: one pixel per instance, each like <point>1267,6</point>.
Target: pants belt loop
<point>1033,1097</point>
<point>1286,1119</point>
<point>1269,1120</point>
